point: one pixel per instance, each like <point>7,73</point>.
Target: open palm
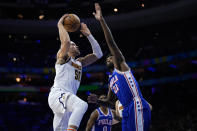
<point>98,14</point>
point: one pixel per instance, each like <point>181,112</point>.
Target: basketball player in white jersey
<point>69,109</point>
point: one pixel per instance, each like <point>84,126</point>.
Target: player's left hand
<point>98,14</point>
<point>92,98</point>
<point>84,29</point>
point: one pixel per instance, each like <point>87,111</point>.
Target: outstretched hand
<point>92,98</point>
<point>84,29</point>
<point>98,14</point>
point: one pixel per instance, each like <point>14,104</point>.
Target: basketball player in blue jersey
<point>136,113</point>
<point>102,118</point>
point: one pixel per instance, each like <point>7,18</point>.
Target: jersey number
<point>115,88</point>
<point>77,75</point>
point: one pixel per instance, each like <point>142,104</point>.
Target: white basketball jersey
<point>68,76</point>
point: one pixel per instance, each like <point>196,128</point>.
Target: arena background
<point>157,37</point>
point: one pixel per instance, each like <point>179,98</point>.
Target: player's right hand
<point>92,98</point>
<point>98,14</point>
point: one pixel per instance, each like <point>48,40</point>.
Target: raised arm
<point>92,120</point>
<point>119,60</point>
<point>97,52</point>
<point>64,39</point>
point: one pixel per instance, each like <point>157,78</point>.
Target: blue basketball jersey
<point>124,85</point>
<point>136,111</point>
<point>104,122</point>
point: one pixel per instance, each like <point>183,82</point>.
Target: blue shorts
<point>136,118</point>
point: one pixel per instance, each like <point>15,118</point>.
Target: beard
<point>76,53</point>
<point>110,66</point>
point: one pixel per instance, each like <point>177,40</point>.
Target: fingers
<point>83,26</point>
<point>94,95</point>
<point>65,15</point>
<point>97,6</point>
<point>92,98</point>
<point>62,18</point>
<point>98,13</point>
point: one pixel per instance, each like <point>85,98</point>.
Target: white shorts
<point>57,100</point>
<point>62,104</point>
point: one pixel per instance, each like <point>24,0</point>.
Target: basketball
<point>71,23</point>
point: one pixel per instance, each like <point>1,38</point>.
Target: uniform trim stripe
<point>134,84</point>
<point>136,122</point>
<point>137,93</point>
<point>129,85</point>
<point>142,114</point>
<point>139,98</point>
<point>98,113</point>
<point>61,101</point>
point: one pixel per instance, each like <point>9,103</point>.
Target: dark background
<point>158,40</point>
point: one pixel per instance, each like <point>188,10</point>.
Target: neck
<point>104,109</point>
<point>111,70</point>
<point>72,56</point>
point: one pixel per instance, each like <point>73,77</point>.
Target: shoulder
<point>63,60</point>
<point>95,114</point>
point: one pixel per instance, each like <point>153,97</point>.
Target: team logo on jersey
<point>105,122</point>
<point>76,65</point>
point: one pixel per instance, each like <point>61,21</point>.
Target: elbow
<point>99,55</point>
